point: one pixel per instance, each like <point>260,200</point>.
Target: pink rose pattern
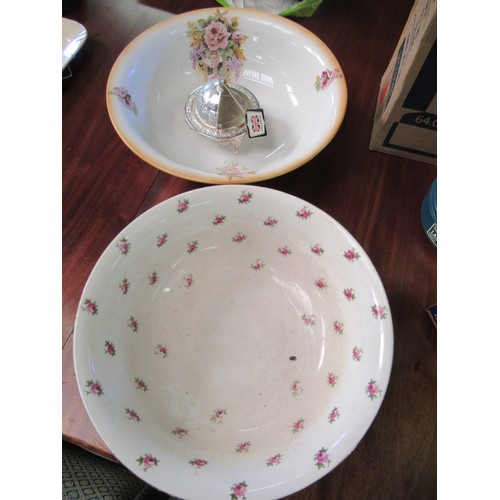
<point>147,462</point>
<point>326,78</point>
<point>321,458</point>
<point>238,491</point>
<point>217,46</point>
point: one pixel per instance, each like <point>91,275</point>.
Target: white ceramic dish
<point>74,36</point>
<point>233,342</point>
<point>295,77</point>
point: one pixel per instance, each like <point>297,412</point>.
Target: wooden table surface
<point>375,196</point>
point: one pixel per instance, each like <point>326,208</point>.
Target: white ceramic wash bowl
<point>74,36</point>
<point>295,77</point>
<point>233,342</point>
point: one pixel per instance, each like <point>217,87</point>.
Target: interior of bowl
<point>234,340</point>
<point>295,77</point>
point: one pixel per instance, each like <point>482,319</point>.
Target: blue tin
<point>428,213</point>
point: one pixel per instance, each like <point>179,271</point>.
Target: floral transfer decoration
<point>357,353</point>
<point>270,222</point>
<point>239,238</point>
<point>180,432</point>
<point>298,426</point>
<point>295,388</point>
<point>338,327</point>
<point>349,294</point>
<point>188,281</point>
<point>161,350</point>
<point>274,460</point>
<point>140,384</point>
<point>257,265</point>
<point>90,306</point>
<point>132,415</point>
<point>326,78</point>
<point>218,415</point>
<point>351,255</point>
<point>94,388</point>
<point>124,246</point>
<point>109,348</point>
<point>243,447</point>
<point>322,459</point>
<point>320,284</point>
<point>245,198</point>
<point>379,312</point>
<point>373,390</point>
<point>219,219</point>
<point>308,319</point>
<point>153,278</point>
<point>233,170</point>
<point>239,490</point>
<point>147,461</point>
<point>133,324</point>
<point>332,379</point>
<point>317,249</point>
<point>198,463</point>
<point>182,206</point>
<point>124,286</point>
<point>125,98</point>
<point>192,246</point>
<point>285,251</point>
<point>333,415</point>
<point>304,213</point>
<point>161,239</point>
<point>217,46</point>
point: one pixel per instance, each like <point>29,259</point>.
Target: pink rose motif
<point>180,432</point>
<point>198,463</point>
<point>334,415</point>
<point>257,265</point>
<point>109,348</point>
<point>295,388</point>
<point>357,352</point>
<point>238,491</point>
<point>218,220</point>
<point>124,246</point>
<point>351,255</point>
<point>326,79</point>
<point>153,278</point>
<point>322,459</point>
<point>349,294</point>
<point>216,35</point>
<point>124,286</point>
<point>373,390</point>
<point>332,379</point>
<point>245,197</point>
<point>320,284</point>
<point>133,324</point>
<point>94,388</point>
<point>218,415</point>
<point>161,350</point>
<point>188,281</point>
<point>147,462</point>
<point>239,238</point>
<point>298,426</point>
<point>274,460</point>
<point>270,222</point>
<point>308,319</point>
<point>182,205</point>
<point>243,447</point>
<point>338,327</point>
<point>379,312</point>
<point>192,246</point>
<point>161,239</point>
<point>317,249</point>
<point>140,384</point>
<point>304,213</point>
<point>285,251</point>
<point>132,415</point>
<point>90,306</point>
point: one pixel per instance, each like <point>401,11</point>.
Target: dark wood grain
<point>376,197</point>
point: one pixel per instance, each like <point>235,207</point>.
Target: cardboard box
<point>406,114</point>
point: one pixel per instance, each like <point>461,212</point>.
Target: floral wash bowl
<point>233,342</point>
<point>296,79</point>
